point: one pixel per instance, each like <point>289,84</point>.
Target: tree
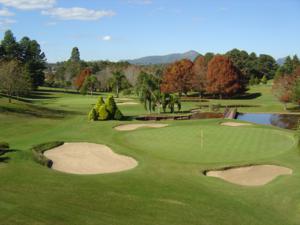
<point>34,60</point>
<point>296,89</point>
<point>266,65</point>
<point>90,83</point>
<point>170,100</point>
<point>264,80</point>
<point>147,88</point>
<point>10,46</point>
<point>223,78</point>
<point>178,77</point>
<point>116,82</point>
<point>75,55</point>
<point>13,79</point>
<point>105,111</point>
<point>283,88</point>
<point>199,74</point>
<point>79,80</point>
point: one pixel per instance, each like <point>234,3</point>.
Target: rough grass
<point>166,188</point>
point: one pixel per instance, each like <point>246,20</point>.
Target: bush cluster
<point>105,110</point>
<point>38,152</point>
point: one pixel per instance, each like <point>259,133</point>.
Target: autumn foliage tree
<point>178,77</point>
<point>287,87</point>
<point>199,74</point>
<point>80,78</point>
<point>283,89</point>
<point>223,78</point>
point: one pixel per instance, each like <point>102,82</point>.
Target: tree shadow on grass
<point>3,157</point>
<point>37,111</point>
<point>70,91</point>
<point>248,96</point>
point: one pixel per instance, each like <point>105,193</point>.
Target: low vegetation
<point>38,152</point>
<point>105,110</point>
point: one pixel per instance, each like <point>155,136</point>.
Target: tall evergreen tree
<point>75,55</point>
<point>10,47</point>
<point>34,60</point>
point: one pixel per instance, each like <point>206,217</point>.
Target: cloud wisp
<point>77,13</point>
<point>29,4</point>
<point>6,13</point>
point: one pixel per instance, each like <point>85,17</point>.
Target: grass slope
<point>166,188</point>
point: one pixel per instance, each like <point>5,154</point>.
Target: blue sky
<point>126,29</point>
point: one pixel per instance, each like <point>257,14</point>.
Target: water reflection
<point>288,121</point>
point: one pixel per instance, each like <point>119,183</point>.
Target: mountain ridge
<point>164,59</point>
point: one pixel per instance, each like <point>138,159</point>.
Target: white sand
<point>251,175</point>
<point>235,124</point>
<point>128,127</point>
<point>88,158</point>
<point>127,103</point>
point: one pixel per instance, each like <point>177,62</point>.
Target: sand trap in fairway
<point>127,103</point>
<point>127,127</point>
<point>235,124</point>
<point>250,175</point>
<point>88,158</point>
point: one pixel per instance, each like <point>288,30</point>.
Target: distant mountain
<point>281,61</point>
<point>164,59</point>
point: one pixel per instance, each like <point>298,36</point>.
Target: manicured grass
<point>166,188</point>
<point>209,142</point>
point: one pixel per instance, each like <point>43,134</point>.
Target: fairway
<point>210,142</point>
<point>167,185</point>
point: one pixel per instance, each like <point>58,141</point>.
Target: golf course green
<point>166,187</point>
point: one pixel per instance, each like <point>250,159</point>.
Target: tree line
<point>22,65</point>
<point>286,86</point>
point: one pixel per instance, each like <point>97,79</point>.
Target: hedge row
<point>38,152</point>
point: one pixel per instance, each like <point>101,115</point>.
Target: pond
<point>287,121</point>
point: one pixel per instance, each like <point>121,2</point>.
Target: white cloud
<point>29,4</point>
<point>77,13</point>
<point>6,12</point>
<point>106,38</point>
<point>4,23</point>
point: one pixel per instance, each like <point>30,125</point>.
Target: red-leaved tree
<point>199,74</point>
<point>178,77</point>
<point>223,78</point>
<point>79,79</point>
<point>287,87</point>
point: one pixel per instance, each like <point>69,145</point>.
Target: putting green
<point>192,142</point>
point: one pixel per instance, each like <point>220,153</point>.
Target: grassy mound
<point>38,152</point>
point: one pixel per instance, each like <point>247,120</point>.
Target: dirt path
<point>88,158</point>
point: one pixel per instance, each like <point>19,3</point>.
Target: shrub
<point>111,106</point>
<point>118,115</point>
<point>103,113</point>
<point>38,152</point>
<point>99,103</point>
<point>264,80</point>
<point>93,115</point>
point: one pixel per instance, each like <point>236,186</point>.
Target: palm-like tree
<point>117,79</point>
<point>148,89</point>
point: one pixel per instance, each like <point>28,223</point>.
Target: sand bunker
<point>235,124</point>
<point>88,158</point>
<point>128,127</point>
<point>127,103</point>
<point>251,175</point>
